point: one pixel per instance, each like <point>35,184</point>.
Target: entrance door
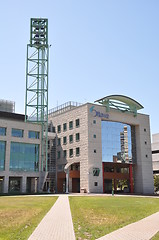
<point>75,185</point>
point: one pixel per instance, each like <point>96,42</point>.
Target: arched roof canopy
<point>121,103</point>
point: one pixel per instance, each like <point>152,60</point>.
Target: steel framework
<point>36,102</point>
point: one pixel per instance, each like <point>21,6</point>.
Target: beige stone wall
<point>65,117</point>
<point>88,143</point>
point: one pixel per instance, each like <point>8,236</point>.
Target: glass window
<point>2,131</point>
<point>33,134</point>
<point>17,132</point>
<point>94,150</point>
<point>70,125</point>
<point>64,153</point>
<point>77,122</point>
<point>94,121</point>
<point>59,141</point>
<point>2,154</point>
<point>59,128</point>
<point>118,142</point>
<point>14,184</point>
<point>24,157</point>
<point>77,151</point>
<point>58,154</point>
<point>64,127</point>
<point>95,184</point>
<point>48,144</point>
<point>64,140</point>
<point>77,137</point>
<point>71,153</point>
<point>71,138</point>
<point>94,135</point>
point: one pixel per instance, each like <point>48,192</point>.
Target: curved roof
<point>127,100</point>
<point>120,102</point>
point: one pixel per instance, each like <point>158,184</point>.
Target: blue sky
<point>99,48</point>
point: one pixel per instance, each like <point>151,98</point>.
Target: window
<point>77,151</point>
<point>146,156</point>
<point>64,153</point>
<point>64,127</point>
<point>95,151</point>
<point>24,157</point>
<point>70,125</point>
<point>48,144</point>
<point>145,143</point>
<point>33,134</point>
<point>77,122</point>
<point>64,140</point>
<point>94,135</point>
<point>94,121</point>
<point>144,129</point>
<point>71,152</point>
<point>59,128</point>
<point>58,154</point>
<point>2,131</point>
<point>77,137</point>
<point>71,139</point>
<point>2,154</point>
<point>59,141</point>
<point>95,184</point>
<point>17,132</point>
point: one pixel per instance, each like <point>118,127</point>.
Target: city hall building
<point>93,148</point>
<point>103,147</point>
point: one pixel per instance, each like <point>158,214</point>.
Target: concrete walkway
<point>57,224</point>
<point>144,229</point>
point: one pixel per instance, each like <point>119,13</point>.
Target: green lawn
<point>94,217</point>
<point>20,215</point>
<point>156,237</point>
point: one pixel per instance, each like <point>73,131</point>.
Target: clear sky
<point>99,48</point>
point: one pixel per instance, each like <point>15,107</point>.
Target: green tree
<point>156,183</point>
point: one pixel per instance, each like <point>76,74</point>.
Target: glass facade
<point>2,131</point>
<point>118,142</point>
<point>24,157</point>
<point>17,132</point>
<point>2,154</point>
<point>33,134</point>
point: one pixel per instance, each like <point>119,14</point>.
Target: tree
<point>156,183</point>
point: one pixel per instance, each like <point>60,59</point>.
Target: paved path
<point>57,224</point>
<point>144,229</point>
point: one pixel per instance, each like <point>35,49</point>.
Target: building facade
<point>94,147</point>
<point>101,148</point>
<point>20,154</point>
<point>155,153</point>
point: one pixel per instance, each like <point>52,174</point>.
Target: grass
<point>20,215</point>
<point>156,237</point>
<point>94,217</point>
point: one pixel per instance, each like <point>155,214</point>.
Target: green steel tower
<point>36,102</point>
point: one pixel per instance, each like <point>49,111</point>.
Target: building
<point>103,146</point>
<point>20,154</point>
<point>93,147</point>
<point>155,153</point>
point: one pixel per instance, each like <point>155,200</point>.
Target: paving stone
<point>57,224</point>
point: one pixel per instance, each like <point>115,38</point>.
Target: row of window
<point>77,152</point>
<point>23,156</point>
<point>77,136</point>
<point>20,133</point>
<point>70,125</point>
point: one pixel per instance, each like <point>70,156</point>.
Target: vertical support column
<point>24,182</point>
<point>6,184</point>
<point>103,175</point>
<point>131,178</point>
<point>67,181</point>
